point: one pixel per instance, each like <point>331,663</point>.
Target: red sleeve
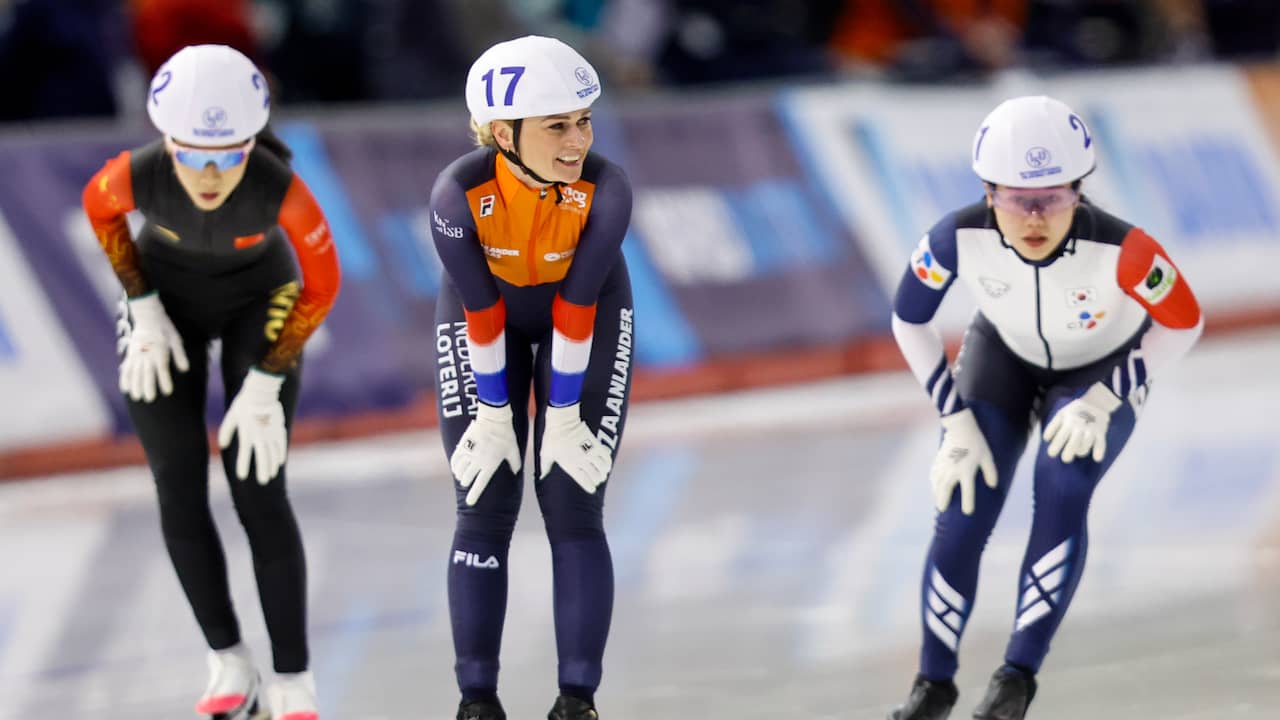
<point>575,322</point>
<point>484,326</point>
<point>308,232</point>
<point>106,199</point>
<point>1146,273</point>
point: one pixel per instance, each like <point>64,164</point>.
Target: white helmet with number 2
<point>209,95</point>
<point>529,77</point>
<point>1031,142</point>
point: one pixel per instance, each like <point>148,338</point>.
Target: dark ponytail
<point>268,139</point>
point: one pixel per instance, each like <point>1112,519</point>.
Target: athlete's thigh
<point>456,389</point>
<point>248,334</point>
<point>1000,390</point>
<point>171,427</point>
<point>606,384</point>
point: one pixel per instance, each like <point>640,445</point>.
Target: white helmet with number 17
<point>529,77</point>
<point>1031,142</point>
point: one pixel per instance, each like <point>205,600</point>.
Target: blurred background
<point>786,157</point>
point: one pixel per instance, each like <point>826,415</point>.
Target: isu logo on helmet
<point>209,95</point>
<point>1032,141</point>
<point>214,117</point>
<point>527,77</point>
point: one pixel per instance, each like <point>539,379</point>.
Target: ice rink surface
<point>767,549</point>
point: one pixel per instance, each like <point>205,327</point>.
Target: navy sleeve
<point>929,274</point>
<point>601,240</point>
<point>458,246</point>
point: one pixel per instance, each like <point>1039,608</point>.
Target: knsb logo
<point>1086,320</point>
<point>470,559</point>
<point>444,228</point>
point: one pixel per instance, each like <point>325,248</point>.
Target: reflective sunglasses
<point>1028,201</point>
<point>222,158</point>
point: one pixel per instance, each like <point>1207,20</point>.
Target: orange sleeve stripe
<point>308,232</point>
<point>575,322</point>
<point>485,326</point>
<point>109,194</point>
<point>1175,308</point>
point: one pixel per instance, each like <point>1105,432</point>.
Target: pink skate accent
<point>216,704</point>
<point>300,715</point>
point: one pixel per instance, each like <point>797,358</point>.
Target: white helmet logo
<point>214,117</point>
<point>1038,157</point>
<point>584,76</point>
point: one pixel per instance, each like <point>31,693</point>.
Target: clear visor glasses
<point>1029,201</point>
<point>221,158</point>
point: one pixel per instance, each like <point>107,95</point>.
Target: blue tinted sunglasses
<point>223,159</point>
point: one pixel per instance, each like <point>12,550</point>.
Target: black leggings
<point>173,434</point>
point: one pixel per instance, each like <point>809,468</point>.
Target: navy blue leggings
<point>582,567</point>
<point>1007,397</point>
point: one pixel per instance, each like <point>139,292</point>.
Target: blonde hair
<point>483,134</point>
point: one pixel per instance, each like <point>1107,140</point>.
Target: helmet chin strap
<point>513,156</point>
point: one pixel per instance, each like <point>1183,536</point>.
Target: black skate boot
<point>481,710</point>
<point>1008,695</point>
<point>929,700</point>
<point>572,708</point>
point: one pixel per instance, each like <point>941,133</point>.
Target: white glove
<point>567,440</point>
<point>146,358</point>
<point>257,416</point>
<point>1082,425</point>
<point>963,453</point>
<point>488,440</point>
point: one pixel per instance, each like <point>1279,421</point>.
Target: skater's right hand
<point>963,453</point>
<point>152,339</point>
<point>489,440</point>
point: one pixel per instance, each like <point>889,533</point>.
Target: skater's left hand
<point>567,440</point>
<point>256,415</point>
<point>1081,426</point>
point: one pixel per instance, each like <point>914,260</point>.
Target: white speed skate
<point>293,697</point>
<point>232,693</point>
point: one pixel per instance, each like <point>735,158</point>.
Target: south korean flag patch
<point>926,267</point>
<point>1158,281</point>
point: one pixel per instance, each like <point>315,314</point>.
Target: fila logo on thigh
<point>470,559</point>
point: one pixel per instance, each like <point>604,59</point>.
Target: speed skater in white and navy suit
<point>1077,311</point>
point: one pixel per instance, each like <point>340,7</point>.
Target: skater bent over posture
<point>529,228</point>
<point>1077,311</point>
<point>224,218</point>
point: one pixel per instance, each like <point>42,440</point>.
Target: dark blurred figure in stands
<point>1092,33</point>
<point>57,58</point>
<point>317,50</point>
<point>1242,29</point>
<point>733,40</point>
<point>413,50</point>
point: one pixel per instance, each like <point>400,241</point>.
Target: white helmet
<point>529,77</point>
<point>1032,141</point>
<point>209,95</point>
